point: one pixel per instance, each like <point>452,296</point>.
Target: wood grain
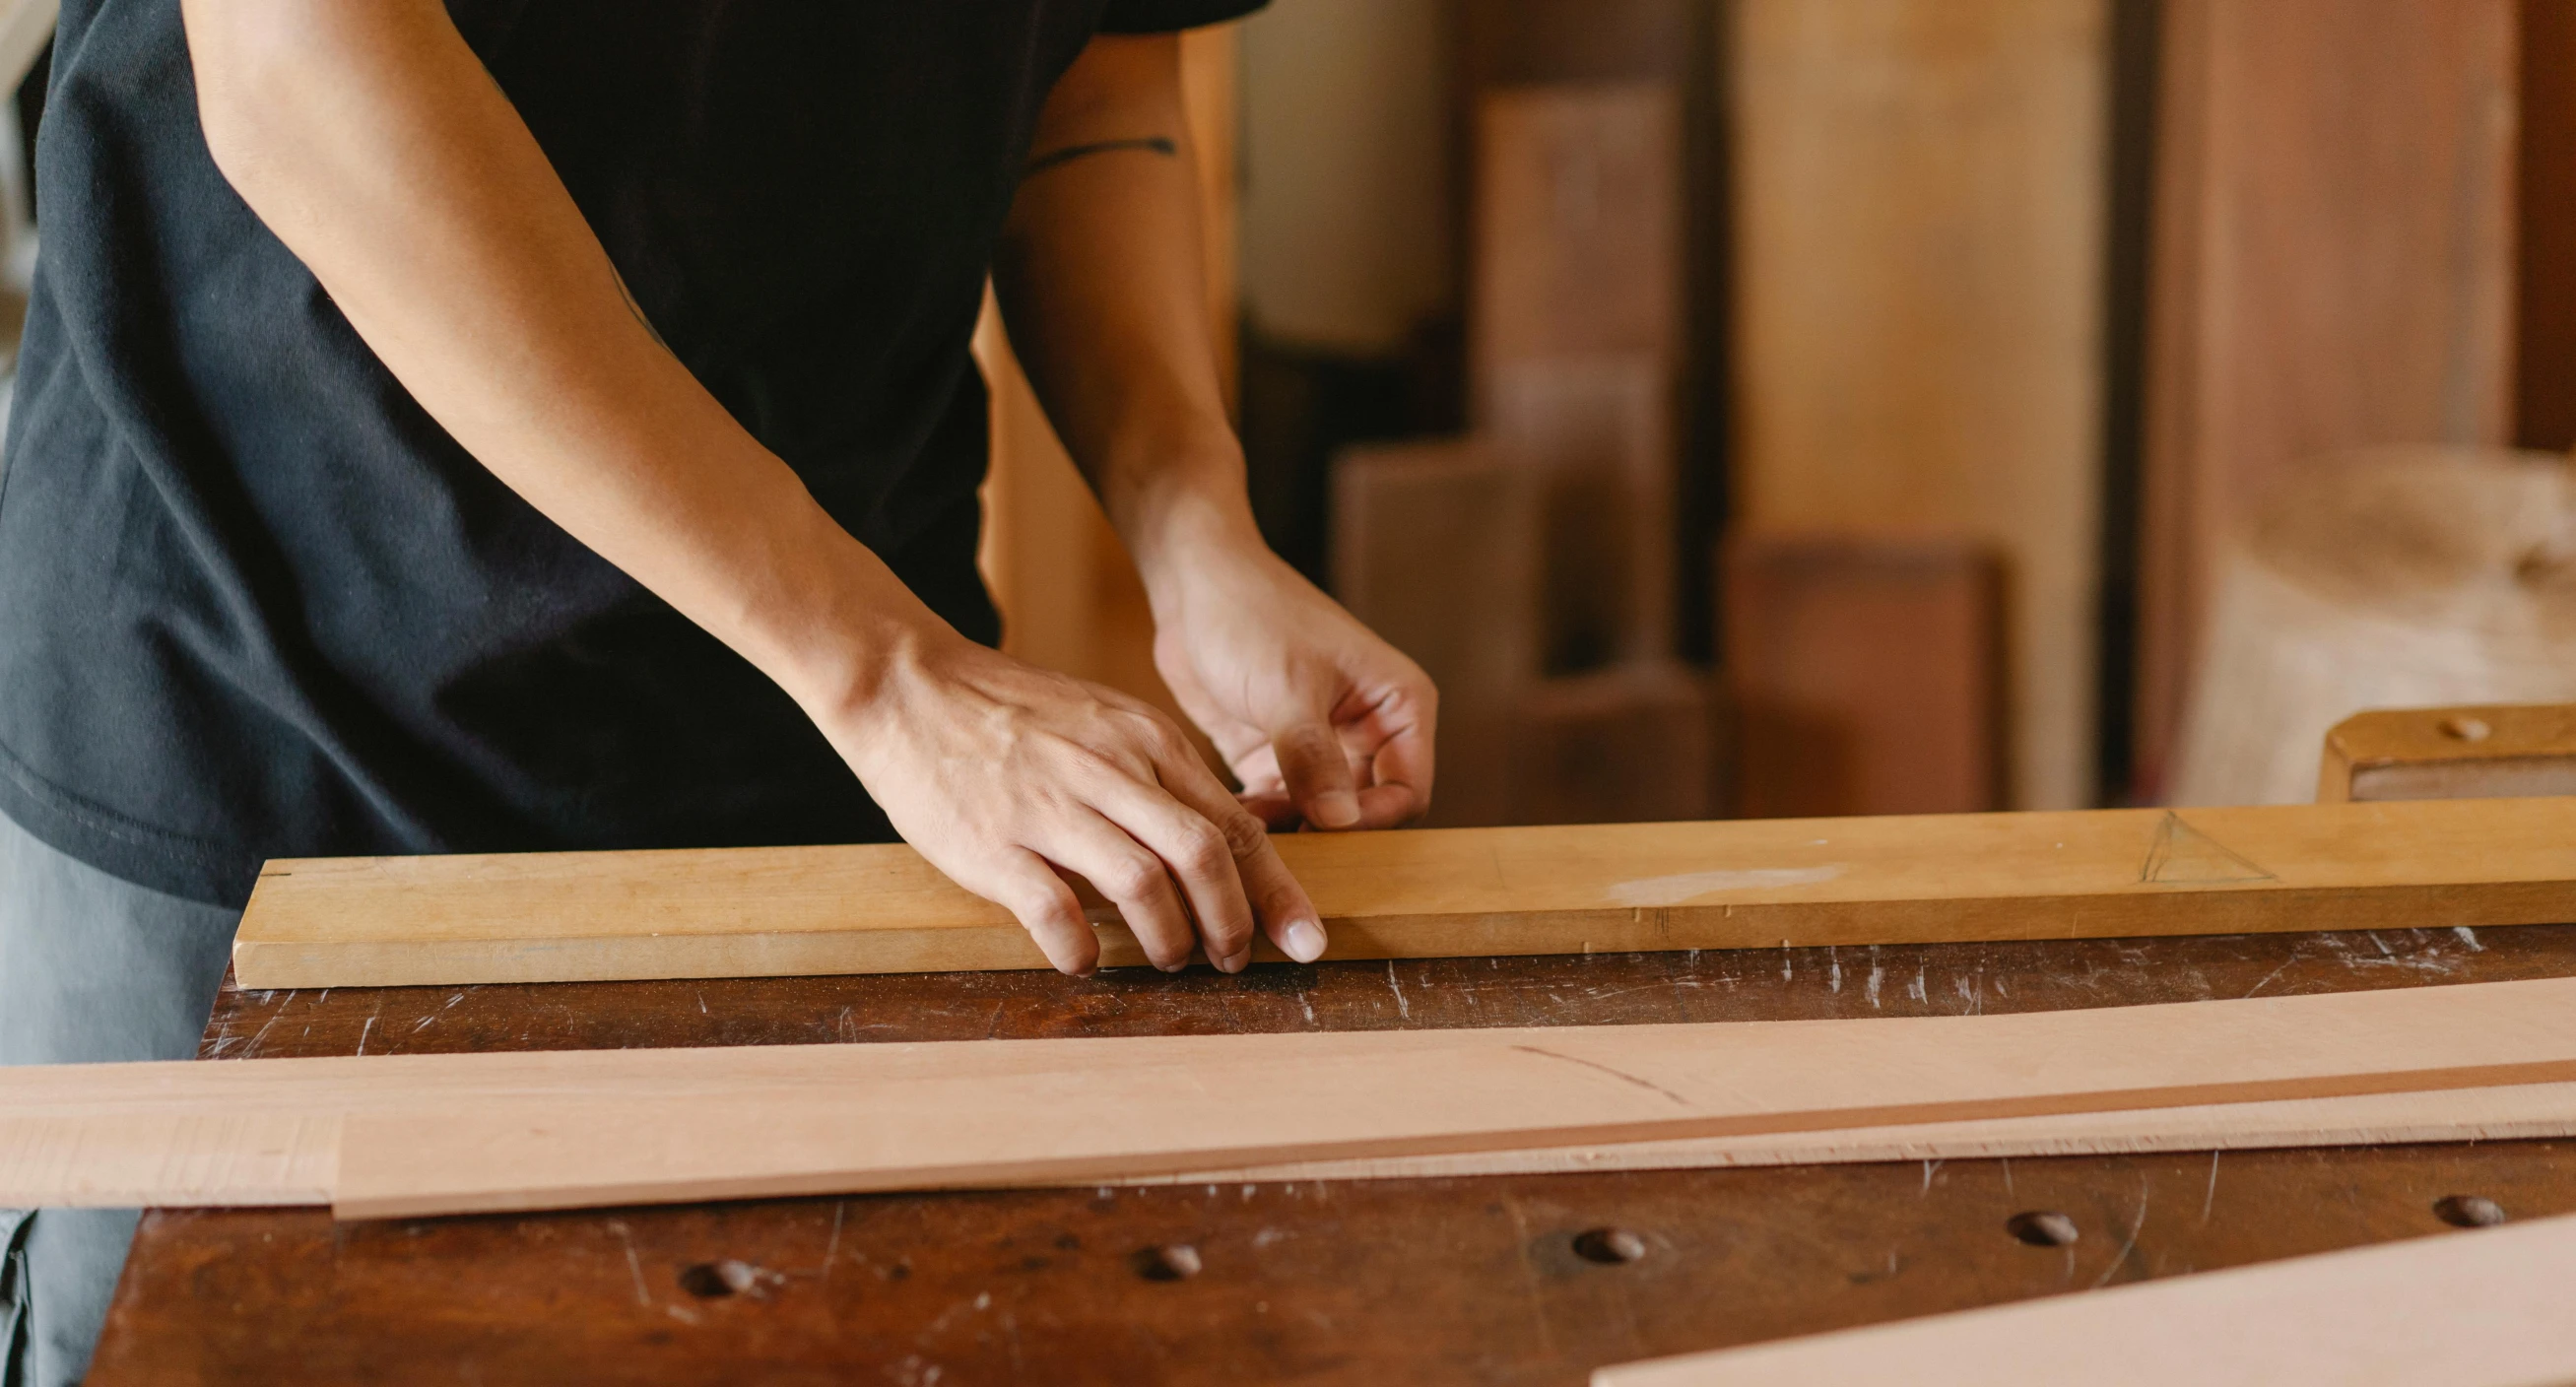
<point>742,912</point>
<point>2484,1309</point>
<point>1349,1284</point>
<point>1010,1113</point>
<point>2332,268</point>
<point>1918,334</point>
<point>464,1133</point>
<point>2450,753</point>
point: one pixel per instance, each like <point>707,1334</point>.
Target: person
<point>549,424</point>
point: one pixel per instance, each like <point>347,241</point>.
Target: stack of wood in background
<point>1920,194</point>
<point>1550,630</point>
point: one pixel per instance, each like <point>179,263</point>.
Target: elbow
<point>256,63</point>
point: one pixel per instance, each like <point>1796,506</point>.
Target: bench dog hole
<point>1609,1246</point>
<point>2043,1228</point>
<point>2469,1211</point>
<point>1170,1262</point>
<point>716,1280</point>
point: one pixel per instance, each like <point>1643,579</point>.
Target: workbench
<point>1520,1279</point>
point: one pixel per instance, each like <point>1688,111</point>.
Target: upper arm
<point>1123,86</point>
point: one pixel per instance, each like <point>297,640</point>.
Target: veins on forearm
<point>1142,144</point>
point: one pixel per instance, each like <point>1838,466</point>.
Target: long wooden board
<point>2482,1309</point>
<point>186,1145</point>
<point>1448,892</point>
<point>457,1133</point>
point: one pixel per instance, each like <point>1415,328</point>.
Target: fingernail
<point>1173,967</point>
<point>1303,940</point>
<point>1336,809</point>
<point>1235,962</point>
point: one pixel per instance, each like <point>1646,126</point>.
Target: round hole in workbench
<point>1170,1262</point>
<point>1609,1246</point>
<point>2466,729</point>
<point>2043,1228</point>
<point>2469,1211</point>
<point>705,1282</point>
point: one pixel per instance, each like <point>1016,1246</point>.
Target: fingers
<point>1317,775</point>
<point>1024,885</point>
<point>1254,869</point>
<point>1133,878</point>
<point>1201,856</point>
<point>1402,772</point>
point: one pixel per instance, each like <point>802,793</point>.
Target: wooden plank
<point>1435,548</point>
<point>247,1137</point>
<point>2107,873</point>
<point>1867,671</point>
<point>1918,332</point>
<point>2544,318</point>
<point>1595,437</point>
<point>2483,1309</point>
<point>2332,269</point>
<point>1183,1103</point>
<point>2451,753</point>
<point>1578,227</point>
<point>268,1133</point>
<point>452,1133</point>
<point>1631,743</point>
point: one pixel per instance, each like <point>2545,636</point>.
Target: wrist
<point>838,628</point>
<point>1193,512</point>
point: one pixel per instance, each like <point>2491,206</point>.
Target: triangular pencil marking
<point>2184,856</point>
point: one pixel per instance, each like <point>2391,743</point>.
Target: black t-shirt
<point>255,603</point>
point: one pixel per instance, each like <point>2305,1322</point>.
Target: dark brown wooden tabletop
<point>1516,1279</point>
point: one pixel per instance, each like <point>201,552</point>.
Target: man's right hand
<point>1011,778</point>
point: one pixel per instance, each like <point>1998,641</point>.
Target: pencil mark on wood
<point>1619,1074</point>
<point>2182,855</point>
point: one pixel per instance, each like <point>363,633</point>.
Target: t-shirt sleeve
<point>1165,16</point>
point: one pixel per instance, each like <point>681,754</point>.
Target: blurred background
<point>1784,407</point>
<point>1774,407</point>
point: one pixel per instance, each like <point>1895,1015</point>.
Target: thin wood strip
<point>289,1160</point>
<point>2481,1309</point>
<point>1446,893</point>
<point>2510,1113</point>
<point>265,1131</point>
<point>1257,1100</point>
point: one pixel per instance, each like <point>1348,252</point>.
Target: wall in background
<point>2332,268</point>
<point>1921,203</point>
<point>1347,201</point>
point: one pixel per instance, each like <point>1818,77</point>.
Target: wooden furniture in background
<point>1637,742</point>
<point>2332,268</point>
<point>1069,594</point>
<point>2544,309</point>
<point>1920,193</point>
<point>1578,229</point>
<point>2461,1310</point>
<point>1755,883</point>
<point>2450,753</point>
<point>1594,436</point>
<point>1867,674</point>
<point>2388,578</point>
<point>1435,547</point>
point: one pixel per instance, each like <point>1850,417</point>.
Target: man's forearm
<point>368,137</point>
<point>1103,283</point>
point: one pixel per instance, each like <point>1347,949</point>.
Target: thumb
<point>1317,775</point>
